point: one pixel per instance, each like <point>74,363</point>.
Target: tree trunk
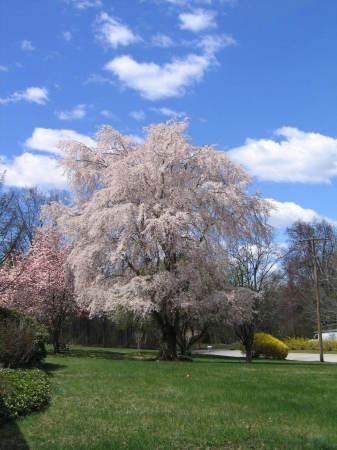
<point>183,347</point>
<point>245,333</point>
<point>186,343</point>
<point>248,343</point>
<point>104,331</point>
<point>57,334</point>
<point>182,342</point>
<point>249,353</point>
<point>88,331</point>
<point>56,340</point>
<point>168,345</point>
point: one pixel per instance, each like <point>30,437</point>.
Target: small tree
<point>252,264</point>
<point>239,308</point>
<point>40,284</point>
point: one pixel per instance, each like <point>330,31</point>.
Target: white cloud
<point>27,45</point>
<point>3,69</point>
<point>199,2</point>
<point>47,139</point>
<point>109,115</point>
<point>137,115</point>
<point>67,36</point>
<point>96,78</point>
<point>197,20</point>
<point>162,40</point>
<point>188,2</point>
<point>298,157</point>
<point>285,214</point>
<point>177,2</point>
<point>76,113</point>
<point>169,112</point>
<point>31,170</point>
<point>212,43</point>
<point>106,113</point>
<point>84,4</point>
<point>154,81</point>
<point>32,95</point>
<point>113,33</point>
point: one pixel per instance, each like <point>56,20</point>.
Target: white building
<point>327,335</point>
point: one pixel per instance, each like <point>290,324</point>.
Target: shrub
<point>268,346</point>
<point>21,392</point>
<point>22,339</point>
<point>301,343</point>
<point>297,343</point>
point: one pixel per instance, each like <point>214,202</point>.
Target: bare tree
<point>20,211</point>
<point>252,264</point>
<point>298,265</point>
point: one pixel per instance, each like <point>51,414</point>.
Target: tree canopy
<point>149,227</point>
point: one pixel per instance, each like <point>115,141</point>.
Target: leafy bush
<point>21,392</point>
<point>269,346</point>
<point>297,343</point>
<point>301,343</point>
<point>22,339</point>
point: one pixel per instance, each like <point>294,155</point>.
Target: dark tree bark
<point>168,345</point>
<point>56,333</point>
<point>88,331</point>
<point>104,331</point>
<point>186,343</point>
<point>245,333</point>
<point>249,352</point>
<point>183,347</point>
<point>56,340</point>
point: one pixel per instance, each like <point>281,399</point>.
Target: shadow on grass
<point>85,353</point>
<point>11,437</point>
<point>146,356</point>
<point>49,368</point>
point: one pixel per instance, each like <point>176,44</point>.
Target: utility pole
<point>313,241</point>
<point>318,308</point>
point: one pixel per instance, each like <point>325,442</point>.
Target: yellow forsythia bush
<point>301,343</point>
<point>268,346</point>
<point>298,343</point>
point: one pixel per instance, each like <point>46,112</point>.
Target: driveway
<point>292,356</point>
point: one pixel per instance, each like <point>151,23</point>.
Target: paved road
<point>291,356</point>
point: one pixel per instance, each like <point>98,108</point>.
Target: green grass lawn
<point>103,402</point>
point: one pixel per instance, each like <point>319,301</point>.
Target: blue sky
<point>256,78</point>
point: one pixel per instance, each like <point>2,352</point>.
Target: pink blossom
<point>150,224</point>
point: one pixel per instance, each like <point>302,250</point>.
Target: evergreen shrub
<point>22,391</point>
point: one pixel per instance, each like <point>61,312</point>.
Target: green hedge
<point>21,392</point>
<point>22,339</point>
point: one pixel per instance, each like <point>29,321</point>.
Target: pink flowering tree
<point>149,229</point>
<point>40,284</point>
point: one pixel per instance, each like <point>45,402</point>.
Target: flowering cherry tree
<point>40,284</point>
<point>149,228</point>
